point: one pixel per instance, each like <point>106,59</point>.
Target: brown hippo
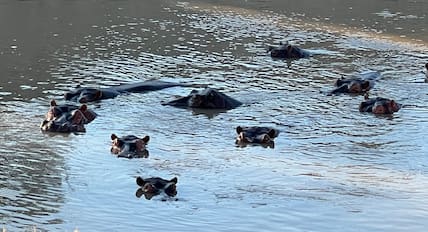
<point>287,51</point>
<point>67,118</point>
<point>84,94</point>
<point>362,83</point>
<point>255,134</point>
<point>129,146</point>
<point>150,187</point>
<point>379,105</point>
<point>206,99</point>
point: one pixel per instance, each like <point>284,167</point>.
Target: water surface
<point>332,167</point>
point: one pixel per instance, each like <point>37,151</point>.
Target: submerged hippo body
<point>356,85</point>
<point>84,95</point>
<point>206,99</point>
<point>67,118</point>
<point>129,146</point>
<point>288,51</point>
<point>379,105</point>
<point>258,135</point>
<point>150,187</point>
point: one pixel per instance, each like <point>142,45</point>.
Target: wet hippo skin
<point>287,51</point>
<point>84,94</point>
<point>206,99</point>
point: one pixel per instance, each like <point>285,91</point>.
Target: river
<point>332,167</point>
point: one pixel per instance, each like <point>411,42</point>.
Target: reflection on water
<point>330,163</point>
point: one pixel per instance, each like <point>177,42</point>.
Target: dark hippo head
<point>153,186</point>
<point>84,95</point>
<point>353,86</point>
<point>67,118</point>
<point>129,146</point>
<point>287,51</point>
<point>259,135</point>
<point>359,84</point>
<point>379,105</point>
<point>56,111</point>
<point>206,99</point>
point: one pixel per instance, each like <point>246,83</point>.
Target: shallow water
<point>332,167</point>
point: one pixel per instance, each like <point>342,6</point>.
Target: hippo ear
<point>83,108</point>
<point>239,129</point>
<point>272,133</point>
<point>174,180</point>
<point>140,181</point>
<point>146,139</point>
<point>365,85</point>
<point>113,137</point>
<point>53,102</point>
<point>139,192</point>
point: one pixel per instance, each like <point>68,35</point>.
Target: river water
<point>332,167</point>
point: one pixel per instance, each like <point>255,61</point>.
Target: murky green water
<point>332,168</point>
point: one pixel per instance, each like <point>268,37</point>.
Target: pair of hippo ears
<point>272,132</point>
<point>141,182</point>
<point>145,139</point>
<point>83,107</point>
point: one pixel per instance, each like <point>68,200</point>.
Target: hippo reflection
<point>153,186</point>
<point>206,99</point>
<point>67,118</point>
<point>379,105</point>
<point>255,134</point>
<point>129,146</point>
<point>356,85</point>
<point>287,51</point>
<point>84,95</point>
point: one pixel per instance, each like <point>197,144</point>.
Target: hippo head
<point>261,135</point>
<point>287,51</point>
<point>129,146</point>
<point>84,95</point>
<point>206,99</point>
<point>67,118</point>
<point>385,106</point>
<point>154,186</point>
<point>359,86</point>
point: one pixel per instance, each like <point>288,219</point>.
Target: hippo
<point>155,186</point>
<point>67,118</point>
<point>85,94</point>
<point>129,146</point>
<point>379,105</point>
<point>356,85</point>
<point>287,51</point>
<point>206,99</point>
<point>255,134</point>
